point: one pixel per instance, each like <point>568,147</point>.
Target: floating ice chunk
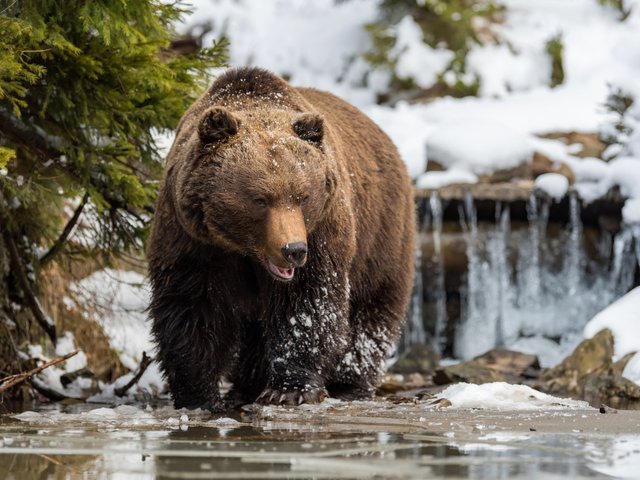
<point>29,416</point>
<point>503,396</point>
<point>478,146</point>
<point>553,184</point>
<point>102,414</point>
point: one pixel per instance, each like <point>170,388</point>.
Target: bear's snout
<point>295,253</point>
<point>286,237</point>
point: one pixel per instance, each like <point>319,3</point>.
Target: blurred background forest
<point>517,119</point>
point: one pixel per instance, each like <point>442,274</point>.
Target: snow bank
<point>478,146</point>
<point>317,44</point>
<point>117,300</point>
<point>503,396</point>
<point>321,44</point>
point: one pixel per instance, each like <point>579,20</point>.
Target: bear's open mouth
<point>284,274</point>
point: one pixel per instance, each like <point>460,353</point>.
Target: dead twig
<point>144,364</point>
<point>64,236</point>
<point>13,380</point>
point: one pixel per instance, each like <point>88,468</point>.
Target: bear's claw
<point>292,397</point>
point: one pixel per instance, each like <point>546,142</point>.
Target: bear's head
<point>257,183</point>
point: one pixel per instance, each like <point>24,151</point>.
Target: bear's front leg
<point>308,332</point>
<point>195,339</point>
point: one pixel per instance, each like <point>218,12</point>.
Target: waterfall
<point>542,306</point>
<point>528,286</point>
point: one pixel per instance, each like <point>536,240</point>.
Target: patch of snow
<point>292,38</point>
<point>504,396</point>
<point>622,317</point>
<point>631,211</point>
<point>553,184</point>
<point>502,71</point>
<point>478,146</point>
<point>433,180</point>
<point>632,369</point>
<point>117,301</point>
<point>407,130</point>
<point>50,376</point>
<point>415,59</point>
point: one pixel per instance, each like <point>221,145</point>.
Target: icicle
<point>529,264</point>
<point>636,236</point>
<point>413,332</point>
<point>503,270</point>
<point>622,270</point>
<point>440,294</point>
<point>574,253</point>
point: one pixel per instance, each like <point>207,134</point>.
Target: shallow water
<point>335,440</point>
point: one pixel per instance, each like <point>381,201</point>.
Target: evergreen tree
<point>86,88</point>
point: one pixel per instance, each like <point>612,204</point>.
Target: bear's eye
<point>260,202</point>
<point>304,200</point>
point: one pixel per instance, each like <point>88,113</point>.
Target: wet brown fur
<point>257,164</point>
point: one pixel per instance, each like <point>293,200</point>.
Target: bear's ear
<point>309,127</point>
<point>217,124</point>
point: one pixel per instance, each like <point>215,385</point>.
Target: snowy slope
<point>321,43</point>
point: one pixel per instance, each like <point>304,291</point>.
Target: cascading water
<point>524,289</point>
<point>414,332</point>
<point>439,290</point>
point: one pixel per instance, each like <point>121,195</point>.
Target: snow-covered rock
<point>553,184</point>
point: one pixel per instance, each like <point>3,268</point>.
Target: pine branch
<point>18,269</point>
<point>68,228</point>
<point>13,380</point>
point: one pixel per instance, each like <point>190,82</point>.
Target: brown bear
<point>282,249</point>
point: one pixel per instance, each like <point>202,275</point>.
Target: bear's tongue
<point>283,273</point>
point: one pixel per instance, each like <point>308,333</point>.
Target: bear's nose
<point>295,253</point>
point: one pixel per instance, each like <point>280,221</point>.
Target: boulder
<point>497,365</point>
<point>419,359</point>
<point>590,373</point>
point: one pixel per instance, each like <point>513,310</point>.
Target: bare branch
<point>144,364</point>
<point>68,228</point>
<point>13,380</point>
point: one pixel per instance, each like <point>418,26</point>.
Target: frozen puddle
<point>333,440</point>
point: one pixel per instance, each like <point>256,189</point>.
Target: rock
<point>541,164</point>
<point>514,365</point>
<point>590,373</point>
<point>591,143</point>
<point>394,383</point>
<point>469,372</point>
<point>591,355</point>
<point>419,359</point>
<point>497,365</point>
<point>434,166</point>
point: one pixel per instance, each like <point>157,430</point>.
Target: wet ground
<point>333,440</point>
